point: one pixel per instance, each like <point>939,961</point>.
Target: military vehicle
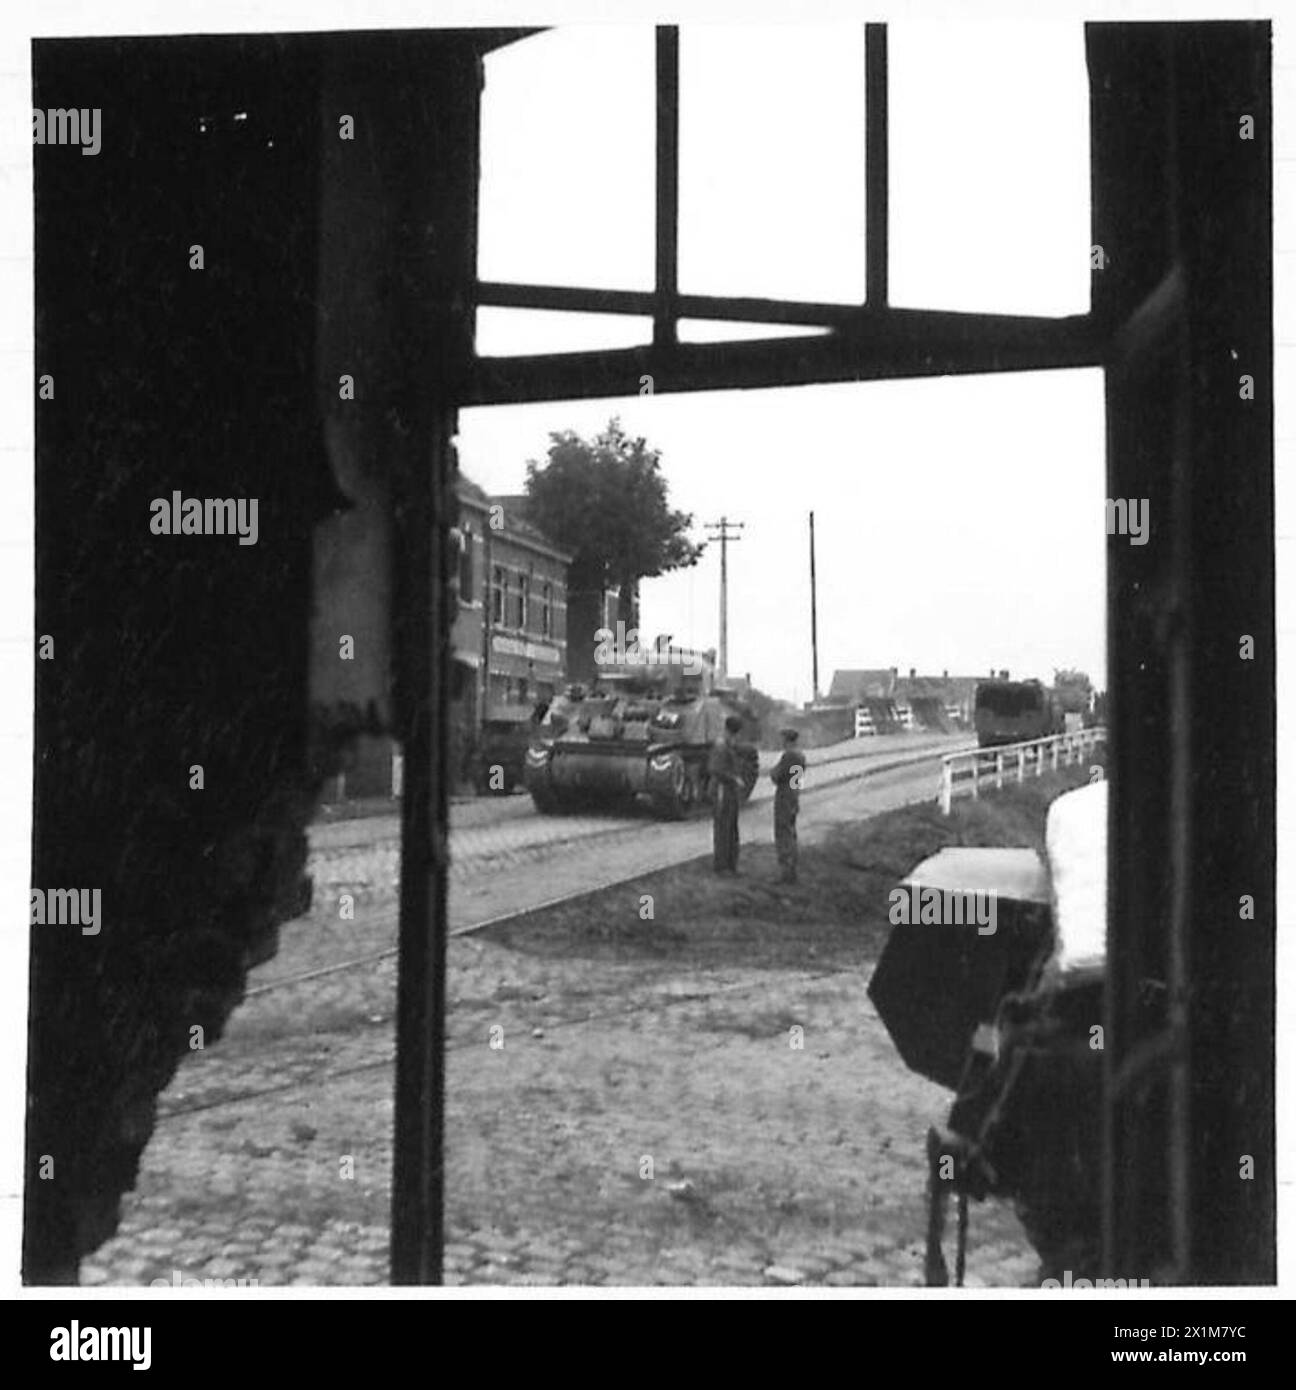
<point>641,730</point>
<point>1008,711</point>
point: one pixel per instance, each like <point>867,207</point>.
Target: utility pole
<point>814,617</point>
<point>724,531</point>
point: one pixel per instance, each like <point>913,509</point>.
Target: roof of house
<point>948,688</point>
<point>470,492</point>
<point>875,683</point>
<point>885,683</point>
<point>515,523</point>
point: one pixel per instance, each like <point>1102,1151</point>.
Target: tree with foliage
<point>605,500</point>
<point>1073,689</point>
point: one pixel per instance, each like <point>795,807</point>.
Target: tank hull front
<point>590,769</point>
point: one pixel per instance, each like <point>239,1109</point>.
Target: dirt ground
<point>678,1080</point>
<point>729,1040</point>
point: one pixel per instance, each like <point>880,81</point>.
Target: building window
<point>546,611</point>
<point>524,601</point>
<point>466,543</point>
<point>499,590</point>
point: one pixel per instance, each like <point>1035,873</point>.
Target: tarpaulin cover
<point>935,983</point>
<point>1076,837</point>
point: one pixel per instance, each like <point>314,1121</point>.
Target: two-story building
<point>588,610</point>
<point>509,642</point>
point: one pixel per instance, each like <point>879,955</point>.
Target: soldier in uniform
<point>726,777</point>
<point>787,778</point>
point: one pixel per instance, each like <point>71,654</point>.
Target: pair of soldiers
<point>726,783</point>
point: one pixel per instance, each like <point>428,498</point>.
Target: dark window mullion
<point>583,300</point>
<point>664,317</point>
<point>876,176</point>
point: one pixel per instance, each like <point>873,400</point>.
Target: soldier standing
<point>725,775</point>
<point>787,777</point>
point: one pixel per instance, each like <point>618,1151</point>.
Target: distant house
<point>909,702</point>
<point>939,701</point>
<point>853,687</point>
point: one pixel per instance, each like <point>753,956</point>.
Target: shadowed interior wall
<point>321,257</point>
<point>1182,210</point>
<point>169,651</point>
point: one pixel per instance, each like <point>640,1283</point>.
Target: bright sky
<point>959,521</point>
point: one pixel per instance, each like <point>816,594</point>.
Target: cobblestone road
<point>271,1161</point>
<point>505,831</point>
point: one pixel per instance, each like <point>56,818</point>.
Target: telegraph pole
<point>814,617</point>
<point>724,531</point>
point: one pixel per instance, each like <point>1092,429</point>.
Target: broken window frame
<point>872,341</point>
<point>869,341</point>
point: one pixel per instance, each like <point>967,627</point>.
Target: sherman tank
<point>637,733</point>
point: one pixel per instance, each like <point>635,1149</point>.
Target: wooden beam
<point>876,171</point>
<point>664,332</point>
<point>432,320</point>
<point>877,347</point>
<point>573,299</point>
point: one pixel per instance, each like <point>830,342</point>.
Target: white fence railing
<point>967,773</point>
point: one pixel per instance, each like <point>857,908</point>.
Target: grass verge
<point>835,917</point>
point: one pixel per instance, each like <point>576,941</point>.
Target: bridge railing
<point>964,774</point>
